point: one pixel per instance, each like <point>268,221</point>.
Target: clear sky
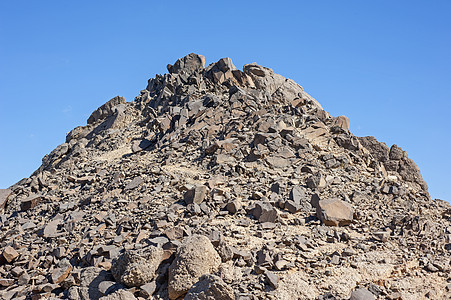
<point>384,64</point>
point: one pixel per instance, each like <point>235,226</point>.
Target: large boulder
<point>135,268</point>
<point>377,149</point>
<point>188,64</point>
<point>106,109</point>
<point>194,258</point>
<point>334,212</point>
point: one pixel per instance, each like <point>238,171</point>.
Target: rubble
<point>221,183</point>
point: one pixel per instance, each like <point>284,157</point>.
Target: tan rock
<point>194,258</point>
<point>9,253</point>
<point>334,212</point>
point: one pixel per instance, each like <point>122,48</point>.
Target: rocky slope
<point>217,183</point>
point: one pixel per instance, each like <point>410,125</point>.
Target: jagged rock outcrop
<point>221,183</point>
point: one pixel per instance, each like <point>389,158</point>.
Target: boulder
<point>194,258</point>
<point>106,109</point>
<point>137,267</point>
<point>195,195</point>
<point>334,212</point>
<point>264,212</point>
<point>188,64</point>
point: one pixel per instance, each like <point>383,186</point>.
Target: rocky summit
<point>219,183</point>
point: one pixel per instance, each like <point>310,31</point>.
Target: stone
<point>272,279</point>
<point>264,212</point>
<point>137,267</point>
<point>316,181</point>
<point>194,258</point>
<point>297,194</point>
<point>362,294</point>
<point>210,287</point>
<point>195,195</point>
<point>380,151</point>
<point>334,212</point>
<point>30,202</point>
<point>136,182</point>
<point>10,254</point>
<point>148,289</point>
<point>105,110</point>
<point>188,64</point>
<point>4,194</point>
<point>51,229</point>
<point>119,295</point>
<point>88,288</point>
<point>58,275</point>
<point>342,122</point>
<point>5,282</point>
<point>234,206</point>
<point>292,206</point>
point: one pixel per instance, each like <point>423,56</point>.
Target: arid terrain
<point>219,183</point>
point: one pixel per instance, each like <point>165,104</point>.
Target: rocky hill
<point>217,183</point>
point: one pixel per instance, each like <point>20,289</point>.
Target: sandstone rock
<point>342,122</point>
<point>210,287</point>
<point>10,254</point>
<point>334,212</point>
<point>194,258</point>
<point>135,268</point>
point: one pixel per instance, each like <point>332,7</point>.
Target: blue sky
<point>384,64</point>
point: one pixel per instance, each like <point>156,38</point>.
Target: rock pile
<point>217,183</point>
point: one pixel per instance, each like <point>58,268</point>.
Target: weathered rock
<point>30,202</point>
<point>342,122</point>
<point>380,151</point>
<point>194,258</point>
<point>264,212</point>
<point>272,279</point>
<point>135,268</point>
<point>190,63</point>
<point>4,194</point>
<point>210,287</point>
<point>119,295</point>
<point>10,254</point>
<point>195,195</point>
<point>316,181</point>
<point>105,110</point>
<point>59,274</point>
<point>88,289</point>
<point>334,212</point>
<point>362,294</point>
